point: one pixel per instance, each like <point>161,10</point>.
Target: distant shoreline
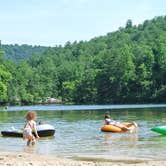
<point>53,107</point>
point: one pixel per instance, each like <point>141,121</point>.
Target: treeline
<point>21,52</point>
<point>126,66</point>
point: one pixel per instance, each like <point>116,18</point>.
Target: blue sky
<point>54,22</point>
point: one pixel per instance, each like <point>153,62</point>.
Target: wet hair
<point>31,115</point>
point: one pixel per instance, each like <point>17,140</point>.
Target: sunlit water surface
<point>78,134</point>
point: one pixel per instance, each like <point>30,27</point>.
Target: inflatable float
<point>111,128</point>
<point>159,129</point>
<point>44,130</point>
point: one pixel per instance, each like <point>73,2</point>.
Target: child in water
<point>29,126</point>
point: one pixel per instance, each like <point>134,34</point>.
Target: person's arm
<point>35,130</point>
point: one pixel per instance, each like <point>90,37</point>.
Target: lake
<point>78,132</point>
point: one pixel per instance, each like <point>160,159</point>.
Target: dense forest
<point>20,52</point>
<point>125,66</point>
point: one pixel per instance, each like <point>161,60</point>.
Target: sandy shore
<point>25,159</point>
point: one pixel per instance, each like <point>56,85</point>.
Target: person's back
<point>30,124</point>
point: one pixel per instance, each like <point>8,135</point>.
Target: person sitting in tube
<point>109,121</point>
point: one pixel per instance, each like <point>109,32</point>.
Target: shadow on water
<point>158,138</point>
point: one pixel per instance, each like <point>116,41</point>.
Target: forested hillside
<point>20,52</point>
<point>126,66</point>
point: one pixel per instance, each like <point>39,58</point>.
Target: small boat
<point>44,130</point>
<point>111,128</point>
<point>159,129</point>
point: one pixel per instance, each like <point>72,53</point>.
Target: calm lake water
<point>78,132</point>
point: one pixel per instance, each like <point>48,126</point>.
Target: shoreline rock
<point>50,100</point>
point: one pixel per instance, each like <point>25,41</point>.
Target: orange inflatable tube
<point>112,128</point>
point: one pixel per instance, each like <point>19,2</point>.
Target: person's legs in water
<point>30,139</point>
<point>33,140</point>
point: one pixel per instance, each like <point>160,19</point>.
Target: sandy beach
<point>25,159</point>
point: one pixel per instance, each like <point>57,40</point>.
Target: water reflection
<point>29,149</point>
<point>120,137</point>
<point>107,136</point>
